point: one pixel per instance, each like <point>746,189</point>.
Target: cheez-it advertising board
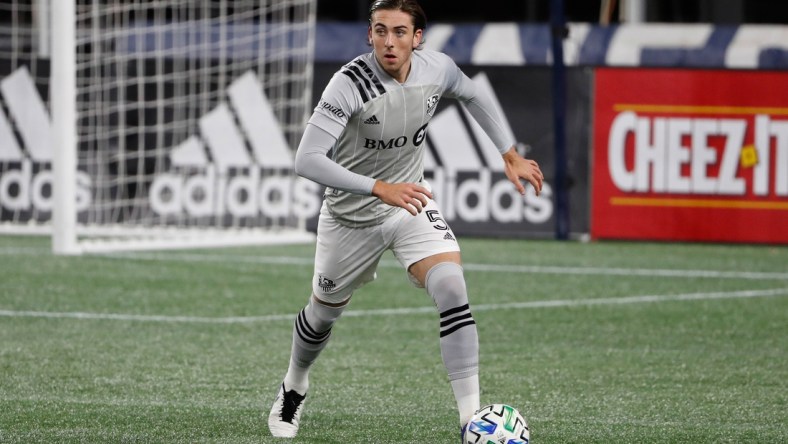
<point>690,155</point>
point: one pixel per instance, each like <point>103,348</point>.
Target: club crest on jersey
<point>432,103</point>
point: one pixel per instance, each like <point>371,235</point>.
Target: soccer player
<point>372,118</point>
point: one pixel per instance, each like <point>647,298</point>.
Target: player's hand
<point>409,196</point>
<point>518,168</point>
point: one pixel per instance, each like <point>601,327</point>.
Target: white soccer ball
<point>496,424</point>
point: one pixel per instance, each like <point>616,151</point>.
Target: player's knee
<point>313,323</point>
<point>445,283</point>
<point>459,339</point>
<point>323,314</point>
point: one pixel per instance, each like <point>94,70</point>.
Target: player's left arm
<point>484,111</point>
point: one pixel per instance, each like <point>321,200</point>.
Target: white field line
<point>493,268</point>
<point>743,294</point>
<point>647,272</point>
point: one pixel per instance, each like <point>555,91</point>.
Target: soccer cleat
<point>285,413</point>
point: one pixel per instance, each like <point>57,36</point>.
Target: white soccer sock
<point>297,378</point>
<point>311,331</point>
<point>459,340</point>
<point>466,392</point>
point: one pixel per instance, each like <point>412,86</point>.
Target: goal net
<point>144,124</point>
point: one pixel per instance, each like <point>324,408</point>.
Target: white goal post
<point>131,124</point>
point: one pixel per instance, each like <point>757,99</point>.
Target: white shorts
<point>347,258</point>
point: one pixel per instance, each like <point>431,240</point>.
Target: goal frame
<point>63,103</point>
<point>66,231</point>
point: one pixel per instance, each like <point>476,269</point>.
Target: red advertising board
<point>690,155</point>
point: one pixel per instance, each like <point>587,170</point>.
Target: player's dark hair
<point>410,7</point>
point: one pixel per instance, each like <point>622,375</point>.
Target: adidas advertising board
<point>210,174</point>
<point>466,171</point>
<point>26,149</point>
<point>469,181</point>
<point>237,164</point>
<point>233,182</point>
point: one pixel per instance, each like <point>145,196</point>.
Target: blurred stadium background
<point>668,11</point>
<point>663,132</point>
<point>662,121</point>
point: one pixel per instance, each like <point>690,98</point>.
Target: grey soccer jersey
<point>381,125</point>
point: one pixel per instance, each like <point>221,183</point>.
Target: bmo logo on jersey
<point>377,144</point>
<point>397,142</point>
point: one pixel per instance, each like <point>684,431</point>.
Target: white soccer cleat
<point>285,413</point>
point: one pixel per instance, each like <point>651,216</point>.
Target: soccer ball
<point>496,424</point>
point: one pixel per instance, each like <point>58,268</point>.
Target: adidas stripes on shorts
<point>347,258</point>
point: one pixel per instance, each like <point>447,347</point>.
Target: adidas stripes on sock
<point>311,331</point>
<point>459,340</point>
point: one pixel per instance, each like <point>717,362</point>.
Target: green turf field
<point>604,342</point>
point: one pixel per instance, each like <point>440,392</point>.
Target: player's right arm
<point>312,162</point>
